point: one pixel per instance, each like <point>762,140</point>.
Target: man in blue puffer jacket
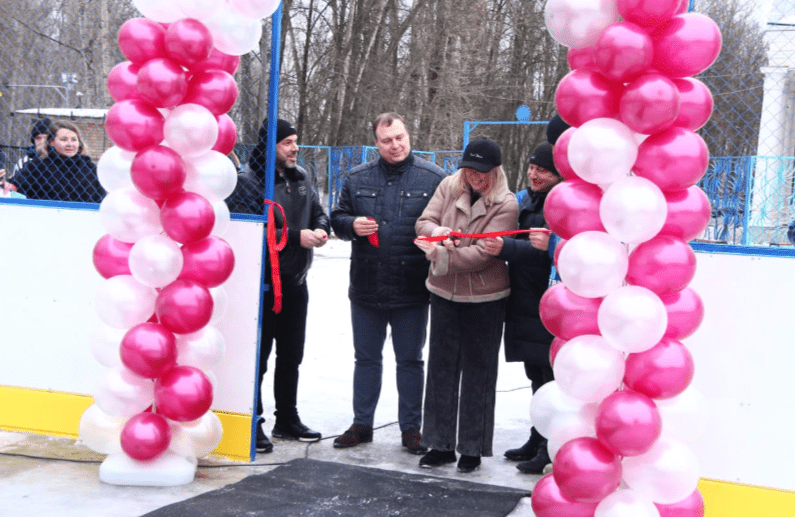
<point>379,203</point>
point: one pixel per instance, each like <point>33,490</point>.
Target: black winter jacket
<point>526,338</point>
<point>295,193</point>
<point>60,178</point>
<point>393,275</point>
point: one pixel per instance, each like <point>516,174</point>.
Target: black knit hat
<point>542,156</point>
<point>283,130</point>
<point>481,154</point>
<point>40,127</point>
<point>555,128</point>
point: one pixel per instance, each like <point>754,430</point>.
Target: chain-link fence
<point>56,57</point>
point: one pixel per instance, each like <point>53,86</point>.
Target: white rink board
<point>47,304</point>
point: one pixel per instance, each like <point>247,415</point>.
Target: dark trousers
<point>463,358</point>
<point>288,330</point>
<point>538,375</point>
<point>408,338</point>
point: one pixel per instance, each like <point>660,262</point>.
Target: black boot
<point>537,464</point>
<point>527,451</point>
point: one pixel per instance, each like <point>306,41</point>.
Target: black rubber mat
<point>305,487</point>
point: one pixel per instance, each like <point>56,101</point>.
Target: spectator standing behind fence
<point>39,138</point>
<point>529,265</point>
<point>6,189</point>
<point>66,173</point>
<point>468,291</point>
<point>307,228</point>
<point>379,203</point>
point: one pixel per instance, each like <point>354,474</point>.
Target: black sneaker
<point>468,463</point>
<point>295,430</point>
<point>263,444</point>
<point>435,458</point>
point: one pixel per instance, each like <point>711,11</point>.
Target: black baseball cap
<point>481,154</point>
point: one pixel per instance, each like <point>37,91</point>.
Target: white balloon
<point>203,349</point>
<point>127,215</point>
<point>155,260</point>
<point>233,33</point>
<point>633,210</point>
<point>684,417</point>
<point>199,9</point>
<point>159,11</point>
<point>121,393</point>
<point>104,342</point>
<point>626,503</point>
<point>588,368</point>
<point>100,431</point>
<point>593,264</point>
<point>222,217</point>
<point>255,8</point>
<point>666,474</point>
<point>602,151</point>
<point>552,411</point>
<point>578,23</point>
<point>190,129</point>
<point>569,426</point>
<point>113,168</point>
<point>211,175</point>
<point>122,302</point>
<point>197,438</point>
<point>632,319</point>
<point>220,303</point>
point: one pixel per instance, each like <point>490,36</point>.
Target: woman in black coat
<point>529,267</point>
<point>66,174</point>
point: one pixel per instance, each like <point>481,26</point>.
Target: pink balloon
<point>141,39</point>
<point>560,155</point>
<point>148,350</point>
<point>685,313</point>
<point>555,347</point>
<point>110,256</point>
<point>623,52</point>
<point>567,315</point>
<point>162,82</point>
<point>209,261</point>
<point>688,213</point>
<point>183,393</point>
<point>572,207</point>
<point>648,13</point>
<point>663,264</point>
<point>227,135</point>
<point>662,372</point>
<point>684,6</point>
<point>145,436</point>
<point>674,159</point>
<point>122,81</point>
<point>686,45</point>
<point>158,172</point>
<point>548,501</point>
<point>188,42</point>
<point>696,103</point>
<point>650,104</point>
<point>187,217</point>
<point>628,423</point>
<point>580,58</point>
<point>691,506</point>
<point>217,61</point>
<point>558,249</point>
<point>584,95</point>
<point>134,125</point>
<point>586,471</point>
<point>216,90</point>
<point>184,306</point>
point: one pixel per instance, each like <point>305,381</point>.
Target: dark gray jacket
<point>393,275</point>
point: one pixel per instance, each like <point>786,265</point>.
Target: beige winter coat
<point>467,273</point>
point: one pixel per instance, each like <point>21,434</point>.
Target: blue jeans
<point>408,337</point>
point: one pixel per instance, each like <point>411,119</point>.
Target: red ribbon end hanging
<point>273,252</point>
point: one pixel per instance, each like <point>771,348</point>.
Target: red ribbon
<point>273,252</point>
<point>458,235</point>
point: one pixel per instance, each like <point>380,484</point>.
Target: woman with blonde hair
<point>66,173</point>
<point>468,291</point>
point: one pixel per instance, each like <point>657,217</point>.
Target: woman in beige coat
<point>468,292</point>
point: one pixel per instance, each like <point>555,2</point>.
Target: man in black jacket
<point>379,203</point>
<point>307,228</point>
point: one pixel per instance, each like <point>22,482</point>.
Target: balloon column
<point>620,410</point>
<point>163,259</point>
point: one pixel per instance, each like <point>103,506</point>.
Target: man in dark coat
<point>307,228</point>
<point>379,203</point>
<point>39,138</point>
